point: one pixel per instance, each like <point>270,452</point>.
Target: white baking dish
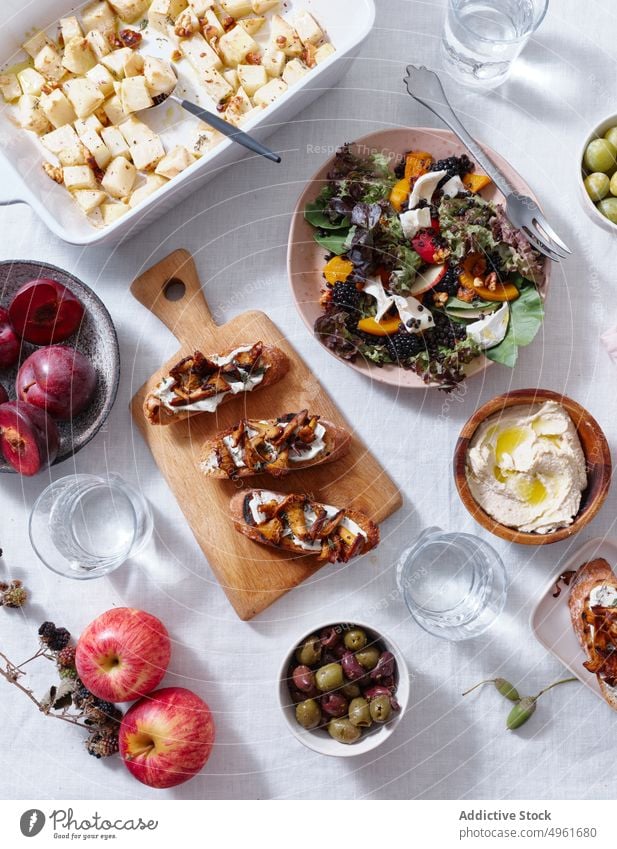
<point>22,180</point>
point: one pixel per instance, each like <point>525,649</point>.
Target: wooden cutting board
<point>252,576</point>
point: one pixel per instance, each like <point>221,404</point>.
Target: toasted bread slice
<point>209,380</point>
<point>594,574</point>
<point>274,447</point>
<point>329,533</point>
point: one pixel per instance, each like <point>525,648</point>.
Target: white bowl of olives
<point>343,689</point>
<point>598,174</point>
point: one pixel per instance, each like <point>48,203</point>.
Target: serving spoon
<point>218,123</point>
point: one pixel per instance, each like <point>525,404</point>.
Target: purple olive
<point>352,669</point>
<point>384,668</point>
<point>330,637</point>
<point>303,679</point>
<point>379,690</point>
<point>334,704</point>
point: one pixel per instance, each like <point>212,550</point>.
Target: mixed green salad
<point>421,271</point>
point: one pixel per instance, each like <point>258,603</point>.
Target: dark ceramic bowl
<point>96,338</point>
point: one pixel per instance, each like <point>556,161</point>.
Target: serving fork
<point>425,86</point>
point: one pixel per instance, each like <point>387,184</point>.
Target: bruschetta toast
<point>297,524</point>
<point>274,447</point>
<point>200,383</point>
<point>593,608</point>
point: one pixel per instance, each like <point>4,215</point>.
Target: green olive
<point>600,155</point>
<point>380,709</point>
<point>309,652</point>
<point>597,185</point>
<point>608,208</point>
<point>343,731</point>
<point>360,713</point>
<point>308,714</point>
<point>611,136</point>
<point>351,691</point>
<point>355,640</point>
<point>368,657</point>
<point>613,185</point>
<point>329,677</point>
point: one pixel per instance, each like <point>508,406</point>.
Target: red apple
<point>9,343</point>
<point>166,738</point>
<point>428,279</point>
<point>59,380</point>
<point>123,654</point>
<point>44,311</point>
<point>28,437</point>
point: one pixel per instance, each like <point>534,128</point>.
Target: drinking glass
<point>454,584</point>
<point>84,526</point>
<point>482,38</point>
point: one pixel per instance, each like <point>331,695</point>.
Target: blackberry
<point>454,165</point>
<point>345,295</point>
<point>403,346</point>
<point>445,334</point>
<point>100,712</point>
<point>102,744</point>
<point>59,639</point>
<point>449,283</point>
<point>46,630</point>
<point>66,658</point>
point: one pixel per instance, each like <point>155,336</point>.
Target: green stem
<point>479,684</point>
<point>555,684</point>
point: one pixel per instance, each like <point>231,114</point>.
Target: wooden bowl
<point>595,448</point>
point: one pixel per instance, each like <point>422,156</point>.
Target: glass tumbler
<point>454,584</point>
<point>482,38</point>
<point>84,526</point>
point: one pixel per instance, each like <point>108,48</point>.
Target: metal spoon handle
<point>425,87</point>
<point>227,129</point>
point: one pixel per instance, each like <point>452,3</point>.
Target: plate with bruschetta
<point>576,617</point>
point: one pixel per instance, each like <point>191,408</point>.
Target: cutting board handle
<point>172,291</point>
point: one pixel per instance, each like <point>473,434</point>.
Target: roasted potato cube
<point>78,58</point>
<point>231,76</point>
<point>116,60</point>
<point>35,44</point>
<point>65,144</point>
<point>324,52</point>
<point>162,12</point>
<point>99,45</point>
<point>134,94</point>
<point>111,212</point>
<point>31,81</point>
<point>294,71</point>
<point>134,65</point>
<point>119,178</point>
<point>252,25</point>
<point>57,108</point>
<point>89,199</point>
<point>114,111</point>
<point>152,184</point>
<point>89,124</point>
<point>102,78</point>
<point>147,154</point>
<point>129,10</point>
<point>174,162</point>
<point>307,28</point>
<point>30,116</point>
<point>116,142</point>
<point>70,28</point>
<point>199,53</point>
<point>252,77</point>
<point>237,106</point>
<point>285,38</point>
<point>100,17</point>
<point>10,88</point>
<point>237,8</point>
<point>96,147</point>
<point>201,7</point>
<point>269,93</point>
<point>160,76</point>
<point>79,177</point>
<point>212,27</point>
<point>235,45</point>
<point>274,61</point>
<point>261,6</point>
<point>85,96</point>
<point>49,63</point>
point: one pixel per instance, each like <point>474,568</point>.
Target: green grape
<point>608,208</point>
<point>611,136</point>
<point>612,185</point>
<point>600,155</point>
<point>597,185</point>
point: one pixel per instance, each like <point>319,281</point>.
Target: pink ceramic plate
<point>305,258</point>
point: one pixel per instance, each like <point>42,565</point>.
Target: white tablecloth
<point>237,228</point>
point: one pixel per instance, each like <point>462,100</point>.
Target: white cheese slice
<point>414,220</point>
<point>413,314</point>
<point>452,188</point>
<point>490,331</point>
<point>424,187</point>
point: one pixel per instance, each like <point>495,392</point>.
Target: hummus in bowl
<point>526,468</point>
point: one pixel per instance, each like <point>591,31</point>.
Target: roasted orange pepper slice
<point>476,182</point>
<point>337,270</point>
<point>417,163</point>
<point>379,328</point>
<point>399,194</point>
<point>502,292</point>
